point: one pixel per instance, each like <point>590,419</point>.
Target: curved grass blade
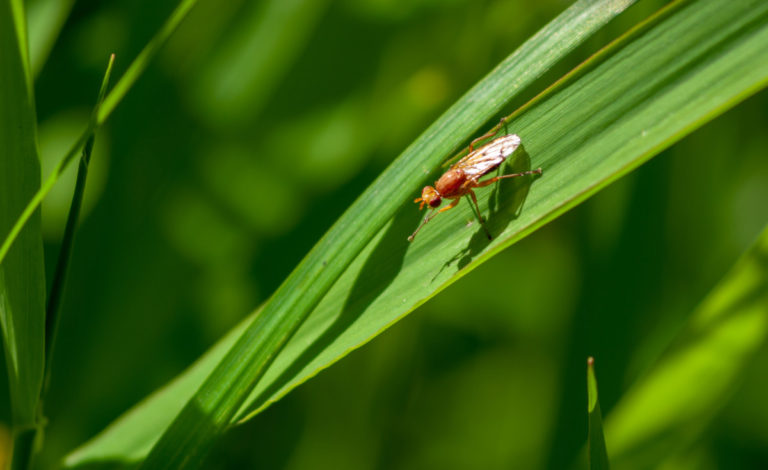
<point>101,113</point>
<point>22,275</point>
<point>670,408</point>
<point>683,67</point>
<point>598,456</point>
<point>588,131</point>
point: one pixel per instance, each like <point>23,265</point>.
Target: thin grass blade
<point>67,242</point>
<point>598,456</point>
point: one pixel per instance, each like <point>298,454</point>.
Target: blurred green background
<point>258,125</point>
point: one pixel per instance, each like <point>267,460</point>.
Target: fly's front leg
<point>450,206</point>
<point>432,216</point>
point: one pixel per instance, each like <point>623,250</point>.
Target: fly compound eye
<point>431,196</point>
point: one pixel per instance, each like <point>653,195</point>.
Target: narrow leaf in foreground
<point>670,408</point>
<point>62,265</point>
<point>598,456</point>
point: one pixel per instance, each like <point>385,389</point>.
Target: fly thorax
<point>450,183</point>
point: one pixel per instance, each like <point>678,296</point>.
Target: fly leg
<point>479,215</point>
<point>432,216</point>
<point>490,133</point>
<point>480,184</point>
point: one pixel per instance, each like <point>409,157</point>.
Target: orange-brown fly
<point>463,176</point>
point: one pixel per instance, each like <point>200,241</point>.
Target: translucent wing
<point>488,157</point>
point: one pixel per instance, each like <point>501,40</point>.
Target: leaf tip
<point>591,384</point>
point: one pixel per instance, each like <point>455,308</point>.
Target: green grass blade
<point>598,456</point>
<point>670,407</point>
<point>101,114</point>
<point>586,135</point>
<point>67,242</point>
<point>685,66</point>
<point>22,276</point>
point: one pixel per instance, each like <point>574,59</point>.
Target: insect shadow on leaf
<point>505,204</point>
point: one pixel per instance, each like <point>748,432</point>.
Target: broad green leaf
<point>22,276</point>
<point>598,456</point>
<point>670,407</point>
<point>216,404</point>
<point>634,99</point>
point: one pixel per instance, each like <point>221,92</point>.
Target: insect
<point>462,177</point>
